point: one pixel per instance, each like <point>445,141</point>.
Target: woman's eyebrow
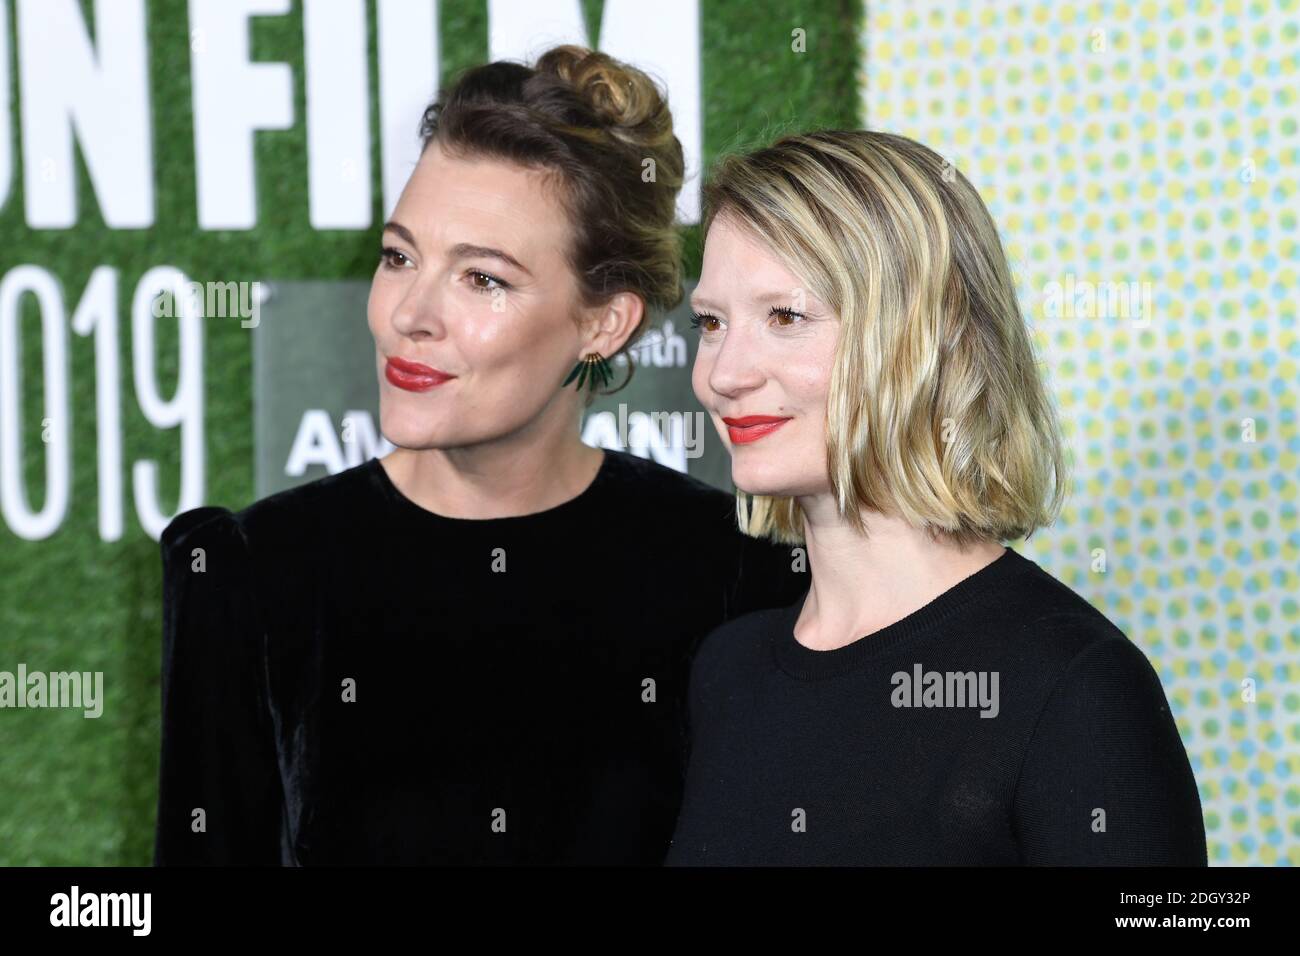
<point>468,250</point>
<point>463,250</point>
<point>761,298</point>
<point>402,231</point>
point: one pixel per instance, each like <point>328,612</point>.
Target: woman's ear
<point>616,320</point>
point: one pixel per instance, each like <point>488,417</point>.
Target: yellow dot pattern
<point>1142,161</point>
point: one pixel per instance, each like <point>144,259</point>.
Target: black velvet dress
<point>351,678</point>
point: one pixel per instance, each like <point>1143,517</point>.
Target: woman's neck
<point>497,479</point>
<point>863,583</point>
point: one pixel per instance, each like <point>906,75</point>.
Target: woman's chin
<point>776,479</point>
<point>411,431</point>
<point>751,482</point>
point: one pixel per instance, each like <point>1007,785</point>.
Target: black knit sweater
<point>1006,722</point>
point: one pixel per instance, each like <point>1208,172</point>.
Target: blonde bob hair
<point>935,411</point>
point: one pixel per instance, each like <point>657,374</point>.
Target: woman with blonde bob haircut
<point>935,697</point>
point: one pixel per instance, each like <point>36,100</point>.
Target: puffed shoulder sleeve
<point>1106,780</point>
<point>219,796</point>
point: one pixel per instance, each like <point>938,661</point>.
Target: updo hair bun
<point>618,94</point>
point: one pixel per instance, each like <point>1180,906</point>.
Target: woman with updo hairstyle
<point>935,698</point>
<point>475,649</point>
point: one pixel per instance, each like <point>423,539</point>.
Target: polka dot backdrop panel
<point>1141,161</point>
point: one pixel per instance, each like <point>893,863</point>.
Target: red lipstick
<point>752,427</point>
<point>413,376</point>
